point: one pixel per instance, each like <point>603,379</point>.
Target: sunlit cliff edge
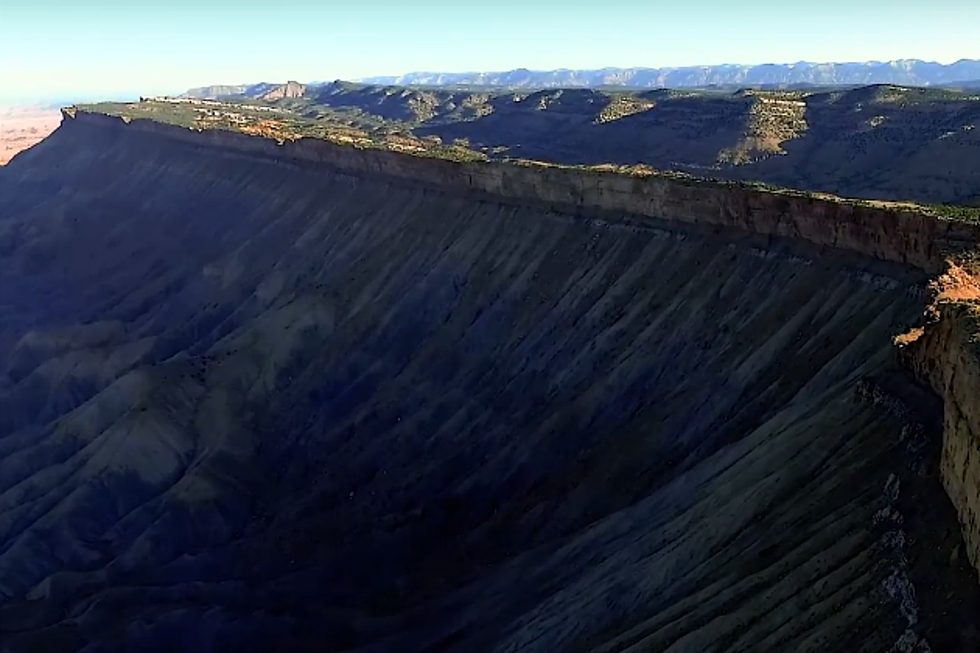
<point>944,352</point>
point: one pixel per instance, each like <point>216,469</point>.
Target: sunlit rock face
<point>251,405</point>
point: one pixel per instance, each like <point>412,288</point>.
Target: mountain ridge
<point>904,71</point>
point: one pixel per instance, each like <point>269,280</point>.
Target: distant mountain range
<point>910,72</point>
<point>964,74</point>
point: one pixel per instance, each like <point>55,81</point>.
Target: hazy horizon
<point>60,49</point>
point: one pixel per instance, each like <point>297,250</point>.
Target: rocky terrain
<point>22,127</point>
<point>294,395</point>
<point>878,142</point>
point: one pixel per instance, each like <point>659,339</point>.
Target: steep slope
<point>252,402</point>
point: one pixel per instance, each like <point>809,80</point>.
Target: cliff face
<point>946,354</point>
<point>904,236</point>
<point>391,404</point>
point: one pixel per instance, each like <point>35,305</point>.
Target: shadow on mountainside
<point>253,406</point>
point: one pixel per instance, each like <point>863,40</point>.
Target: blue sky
<point>110,47</point>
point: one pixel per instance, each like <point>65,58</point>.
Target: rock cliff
<point>306,397</point>
<point>897,233</point>
<point>946,354</point>
<point>893,233</point>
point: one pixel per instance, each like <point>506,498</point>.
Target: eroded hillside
<point>307,397</point>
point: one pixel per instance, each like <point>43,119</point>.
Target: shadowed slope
<point>313,412</point>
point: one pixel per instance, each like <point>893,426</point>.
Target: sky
<point>110,48</point>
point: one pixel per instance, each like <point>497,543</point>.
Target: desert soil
<point>22,127</point>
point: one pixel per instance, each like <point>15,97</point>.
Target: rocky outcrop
<point>284,91</point>
<point>946,355</point>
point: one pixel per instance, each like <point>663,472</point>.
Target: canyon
<point>307,396</point>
